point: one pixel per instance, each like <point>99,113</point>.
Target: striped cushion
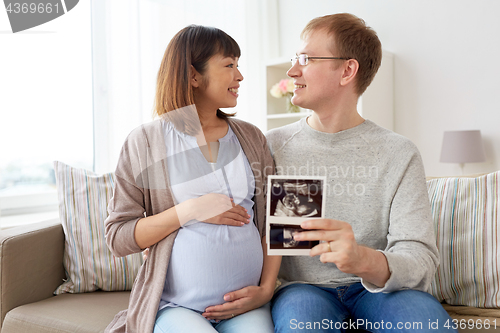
<point>466,219</point>
<point>89,265</point>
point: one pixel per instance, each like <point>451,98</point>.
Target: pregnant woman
<point>190,187</point>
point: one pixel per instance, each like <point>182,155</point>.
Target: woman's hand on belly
<point>217,208</point>
<point>238,302</point>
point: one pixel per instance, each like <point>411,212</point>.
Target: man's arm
<point>410,254</point>
<point>340,247</point>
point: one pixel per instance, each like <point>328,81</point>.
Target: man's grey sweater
<point>376,183</point>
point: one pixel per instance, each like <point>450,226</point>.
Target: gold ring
<point>329,248</point>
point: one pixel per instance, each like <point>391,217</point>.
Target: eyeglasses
<point>304,59</point>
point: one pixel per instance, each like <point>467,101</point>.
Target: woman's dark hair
<point>192,46</point>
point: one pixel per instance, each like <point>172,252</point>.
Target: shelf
<point>276,115</point>
<point>283,63</point>
<point>288,115</point>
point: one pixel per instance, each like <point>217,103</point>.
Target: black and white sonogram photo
<point>290,201</point>
<point>296,197</point>
<point>281,238</point>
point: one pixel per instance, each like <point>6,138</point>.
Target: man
<point>378,254</point>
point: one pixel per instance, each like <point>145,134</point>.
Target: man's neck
<point>334,121</point>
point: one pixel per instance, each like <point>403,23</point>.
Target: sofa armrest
<point>31,264</point>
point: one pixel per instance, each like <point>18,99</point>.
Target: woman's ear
<point>195,77</point>
<point>351,67</point>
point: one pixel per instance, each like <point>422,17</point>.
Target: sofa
<point>31,268</point>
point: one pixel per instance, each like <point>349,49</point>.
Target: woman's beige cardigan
<point>142,187</point>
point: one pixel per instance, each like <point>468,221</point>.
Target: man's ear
<point>195,77</point>
<point>351,67</point>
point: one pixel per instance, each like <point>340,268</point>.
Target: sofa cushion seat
<point>75,313</point>
<point>469,312</point>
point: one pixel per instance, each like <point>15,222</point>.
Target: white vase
<point>290,108</point>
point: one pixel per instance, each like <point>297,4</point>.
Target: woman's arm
<point>210,208</point>
<point>152,229</point>
<point>130,226</point>
<point>252,297</point>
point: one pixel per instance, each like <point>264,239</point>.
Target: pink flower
<point>283,85</point>
<point>283,88</point>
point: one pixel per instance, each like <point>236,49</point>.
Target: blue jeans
<point>306,308</point>
<point>182,320</point>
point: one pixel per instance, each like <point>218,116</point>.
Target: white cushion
<point>466,220</point>
<point>89,264</point>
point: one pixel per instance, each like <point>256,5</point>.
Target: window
<point>45,108</point>
<point>73,88</point>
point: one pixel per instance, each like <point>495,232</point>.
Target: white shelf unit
<point>276,115</point>
<point>376,104</point>
<point>297,115</point>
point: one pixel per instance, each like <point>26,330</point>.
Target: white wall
<point>447,72</point>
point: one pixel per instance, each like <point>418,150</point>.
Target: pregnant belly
<point>209,261</point>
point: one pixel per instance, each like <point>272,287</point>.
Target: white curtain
<point>129,39</point>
